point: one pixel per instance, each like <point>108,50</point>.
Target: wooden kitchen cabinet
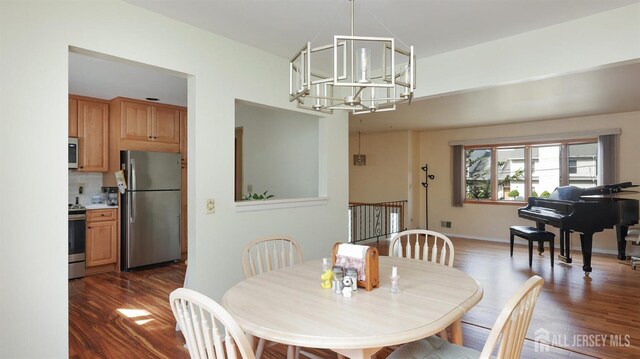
<point>101,240</point>
<point>148,127</point>
<point>92,129</point>
<point>73,117</point>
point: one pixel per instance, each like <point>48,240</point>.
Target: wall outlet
<point>210,206</point>
<point>250,188</point>
<point>80,189</point>
<point>445,224</point>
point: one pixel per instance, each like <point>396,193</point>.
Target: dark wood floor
<point>120,315</point>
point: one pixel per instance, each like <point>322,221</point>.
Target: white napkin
<point>352,250</point>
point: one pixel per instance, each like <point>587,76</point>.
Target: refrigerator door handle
<point>132,170</point>
<point>132,205</point>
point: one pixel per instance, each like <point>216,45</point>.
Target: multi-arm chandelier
<point>356,73</point>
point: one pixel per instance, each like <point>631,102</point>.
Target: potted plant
<point>257,196</point>
<point>513,194</point>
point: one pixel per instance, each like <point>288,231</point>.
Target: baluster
<point>217,343</point>
<point>443,253</point>
<point>267,257</point>
<point>196,328</point>
<point>206,331</point>
<point>434,250</point>
<point>283,255</point>
<point>259,259</point>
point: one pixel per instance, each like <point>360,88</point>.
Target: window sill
<point>500,203</point>
<point>271,204</point>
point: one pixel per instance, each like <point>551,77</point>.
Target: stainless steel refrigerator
<point>150,208</point>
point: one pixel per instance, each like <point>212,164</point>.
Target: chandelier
<point>356,73</point>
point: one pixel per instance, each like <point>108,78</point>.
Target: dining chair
<point>208,329</point>
<point>266,254</point>
<point>436,247</point>
<point>269,253</point>
<point>506,337</point>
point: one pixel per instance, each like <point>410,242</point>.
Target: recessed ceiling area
<point>610,89</point>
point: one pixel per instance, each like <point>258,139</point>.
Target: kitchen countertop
<point>98,206</point>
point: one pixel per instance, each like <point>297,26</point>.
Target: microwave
<point>73,152</point>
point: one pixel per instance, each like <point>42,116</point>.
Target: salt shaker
<point>338,275</point>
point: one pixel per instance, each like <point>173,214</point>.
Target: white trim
<point>258,205</point>
<point>538,138</point>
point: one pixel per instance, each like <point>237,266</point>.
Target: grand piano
<point>587,211</point>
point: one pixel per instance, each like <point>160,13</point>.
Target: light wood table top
<point>288,306</point>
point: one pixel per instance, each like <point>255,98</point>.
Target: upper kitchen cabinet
<point>147,127</point>
<point>89,121</point>
<point>73,117</point>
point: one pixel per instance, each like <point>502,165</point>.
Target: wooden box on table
<point>371,267</point>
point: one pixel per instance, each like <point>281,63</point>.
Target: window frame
<point>527,146</point>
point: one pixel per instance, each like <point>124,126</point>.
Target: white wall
<point>280,151</point>
<point>578,45</point>
<point>35,37</point>
<point>492,221</point>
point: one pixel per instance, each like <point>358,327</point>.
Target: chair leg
<point>456,332</point>
<point>530,253</point>
<point>260,348</point>
<point>443,335</point>
<point>290,352</point>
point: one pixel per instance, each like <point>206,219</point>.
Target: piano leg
<point>621,233</point>
<point>586,241</point>
<point>565,245</point>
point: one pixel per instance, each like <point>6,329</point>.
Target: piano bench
<point>532,234</point>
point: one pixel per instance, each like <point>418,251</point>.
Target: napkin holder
<point>371,267</point>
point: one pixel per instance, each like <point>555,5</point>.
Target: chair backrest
<point>269,253</point>
<point>422,244</point>
<point>510,328</point>
<point>209,330</point>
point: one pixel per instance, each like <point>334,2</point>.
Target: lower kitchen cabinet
<point>102,240</point>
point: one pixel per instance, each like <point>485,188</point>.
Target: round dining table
<point>289,306</point>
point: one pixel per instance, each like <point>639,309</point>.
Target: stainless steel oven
<point>77,240</point>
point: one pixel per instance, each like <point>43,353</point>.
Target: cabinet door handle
<point>89,227</point>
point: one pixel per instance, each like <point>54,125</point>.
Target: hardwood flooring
<point>127,315</point>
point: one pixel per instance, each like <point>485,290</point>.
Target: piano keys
<point>587,211</point>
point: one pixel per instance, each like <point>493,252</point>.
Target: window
<point>516,172</point>
<point>478,181</point>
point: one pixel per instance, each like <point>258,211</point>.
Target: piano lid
<point>573,193</point>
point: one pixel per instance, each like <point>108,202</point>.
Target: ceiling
<point>281,27</point>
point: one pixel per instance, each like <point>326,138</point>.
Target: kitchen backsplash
<point>91,183</point>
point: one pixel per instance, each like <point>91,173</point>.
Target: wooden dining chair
<point>425,245</point>
<point>208,329</point>
<point>422,244</point>
<point>506,337</point>
<point>266,254</point>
